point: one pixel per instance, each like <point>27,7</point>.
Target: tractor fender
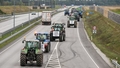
<point>38,51</point>
<point>24,51</point>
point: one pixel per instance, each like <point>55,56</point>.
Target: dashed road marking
<point>53,61</point>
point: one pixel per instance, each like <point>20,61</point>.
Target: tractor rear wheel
<point>39,59</point>
<point>23,60</point>
<point>47,48</point>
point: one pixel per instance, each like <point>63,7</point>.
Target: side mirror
<point>63,23</point>
<point>23,41</point>
<point>53,23</point>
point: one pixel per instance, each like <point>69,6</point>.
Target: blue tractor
<point>44,39</point>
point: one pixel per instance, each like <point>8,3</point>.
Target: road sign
<point>94,30</point>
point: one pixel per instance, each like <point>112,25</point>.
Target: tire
<point>60,38</point>
<point>63,37</point>
<point>47,48</point>
<point>75,25</point>
<point>39,59</point>
<point>23,60</point>
<point>78,19</point>
<point>51,38</point>
<point>68,24</point>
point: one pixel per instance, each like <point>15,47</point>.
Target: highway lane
<point>75,52</point>
<point>19,19</point>
<point>9,57</point>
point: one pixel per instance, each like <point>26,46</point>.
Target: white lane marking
<point>55,49</point>
<point>85,49</point>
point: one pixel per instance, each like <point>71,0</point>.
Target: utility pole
<point>14,15</point>
<point>29,11</point>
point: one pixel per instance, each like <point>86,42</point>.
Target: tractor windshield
<point>72,18</point>
<point>30,44</point>
<point>41,36</point>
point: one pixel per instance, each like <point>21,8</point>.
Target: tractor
<point>44,39</point>
<point>31,52</point>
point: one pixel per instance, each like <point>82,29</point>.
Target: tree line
<point>60,2</point>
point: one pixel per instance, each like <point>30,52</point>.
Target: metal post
<point>29,11</point>
<point>14,16</point>
<point>38,7</point>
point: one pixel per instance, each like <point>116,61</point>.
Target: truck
<point>46,17</point>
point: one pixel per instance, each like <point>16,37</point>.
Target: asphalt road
<point>75,52</point>
<point>19,19</point>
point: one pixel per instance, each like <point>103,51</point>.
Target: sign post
<point>94,30</point>
<point>0,35</point>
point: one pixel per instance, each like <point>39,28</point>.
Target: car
<point>57,32</point>
<point>44,39</point>
<point>72,22</point>
<point>31,52</point>
<point>33,13</point>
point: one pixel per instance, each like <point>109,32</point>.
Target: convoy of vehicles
<point>34,49</point>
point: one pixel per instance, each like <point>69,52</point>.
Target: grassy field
<point>116,11</point>
<point>10,9</point>
<point>19,9</point>
<point>107,38</point>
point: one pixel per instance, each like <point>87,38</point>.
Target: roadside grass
<point>19,9</point>
<point>116,11</point>
<point>107,38</point>
<point>18,35</point>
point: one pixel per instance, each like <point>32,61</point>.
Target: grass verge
<point>18,35</point>
<point>107,38</point>
<point>116,11</point>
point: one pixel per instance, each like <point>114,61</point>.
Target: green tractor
<point>31,52</point>
<point>72,22</point>
<point>57,32</point>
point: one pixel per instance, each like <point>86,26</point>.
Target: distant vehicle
<point>73,10</point>
<point>46,17</point>
<point>57,32</point>
<point>44,39</point>
<point>76,15</point>
<point>31,52</point>
<point>72,22</point>
<point>66,12</point>
<point>33,13</point>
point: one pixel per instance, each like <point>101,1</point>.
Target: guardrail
<point>115,63</point>
<point>54,12</point>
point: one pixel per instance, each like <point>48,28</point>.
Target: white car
<point>33,13</point>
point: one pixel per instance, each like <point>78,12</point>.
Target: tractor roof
<point>42,33</point>
<point>31,40</point>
